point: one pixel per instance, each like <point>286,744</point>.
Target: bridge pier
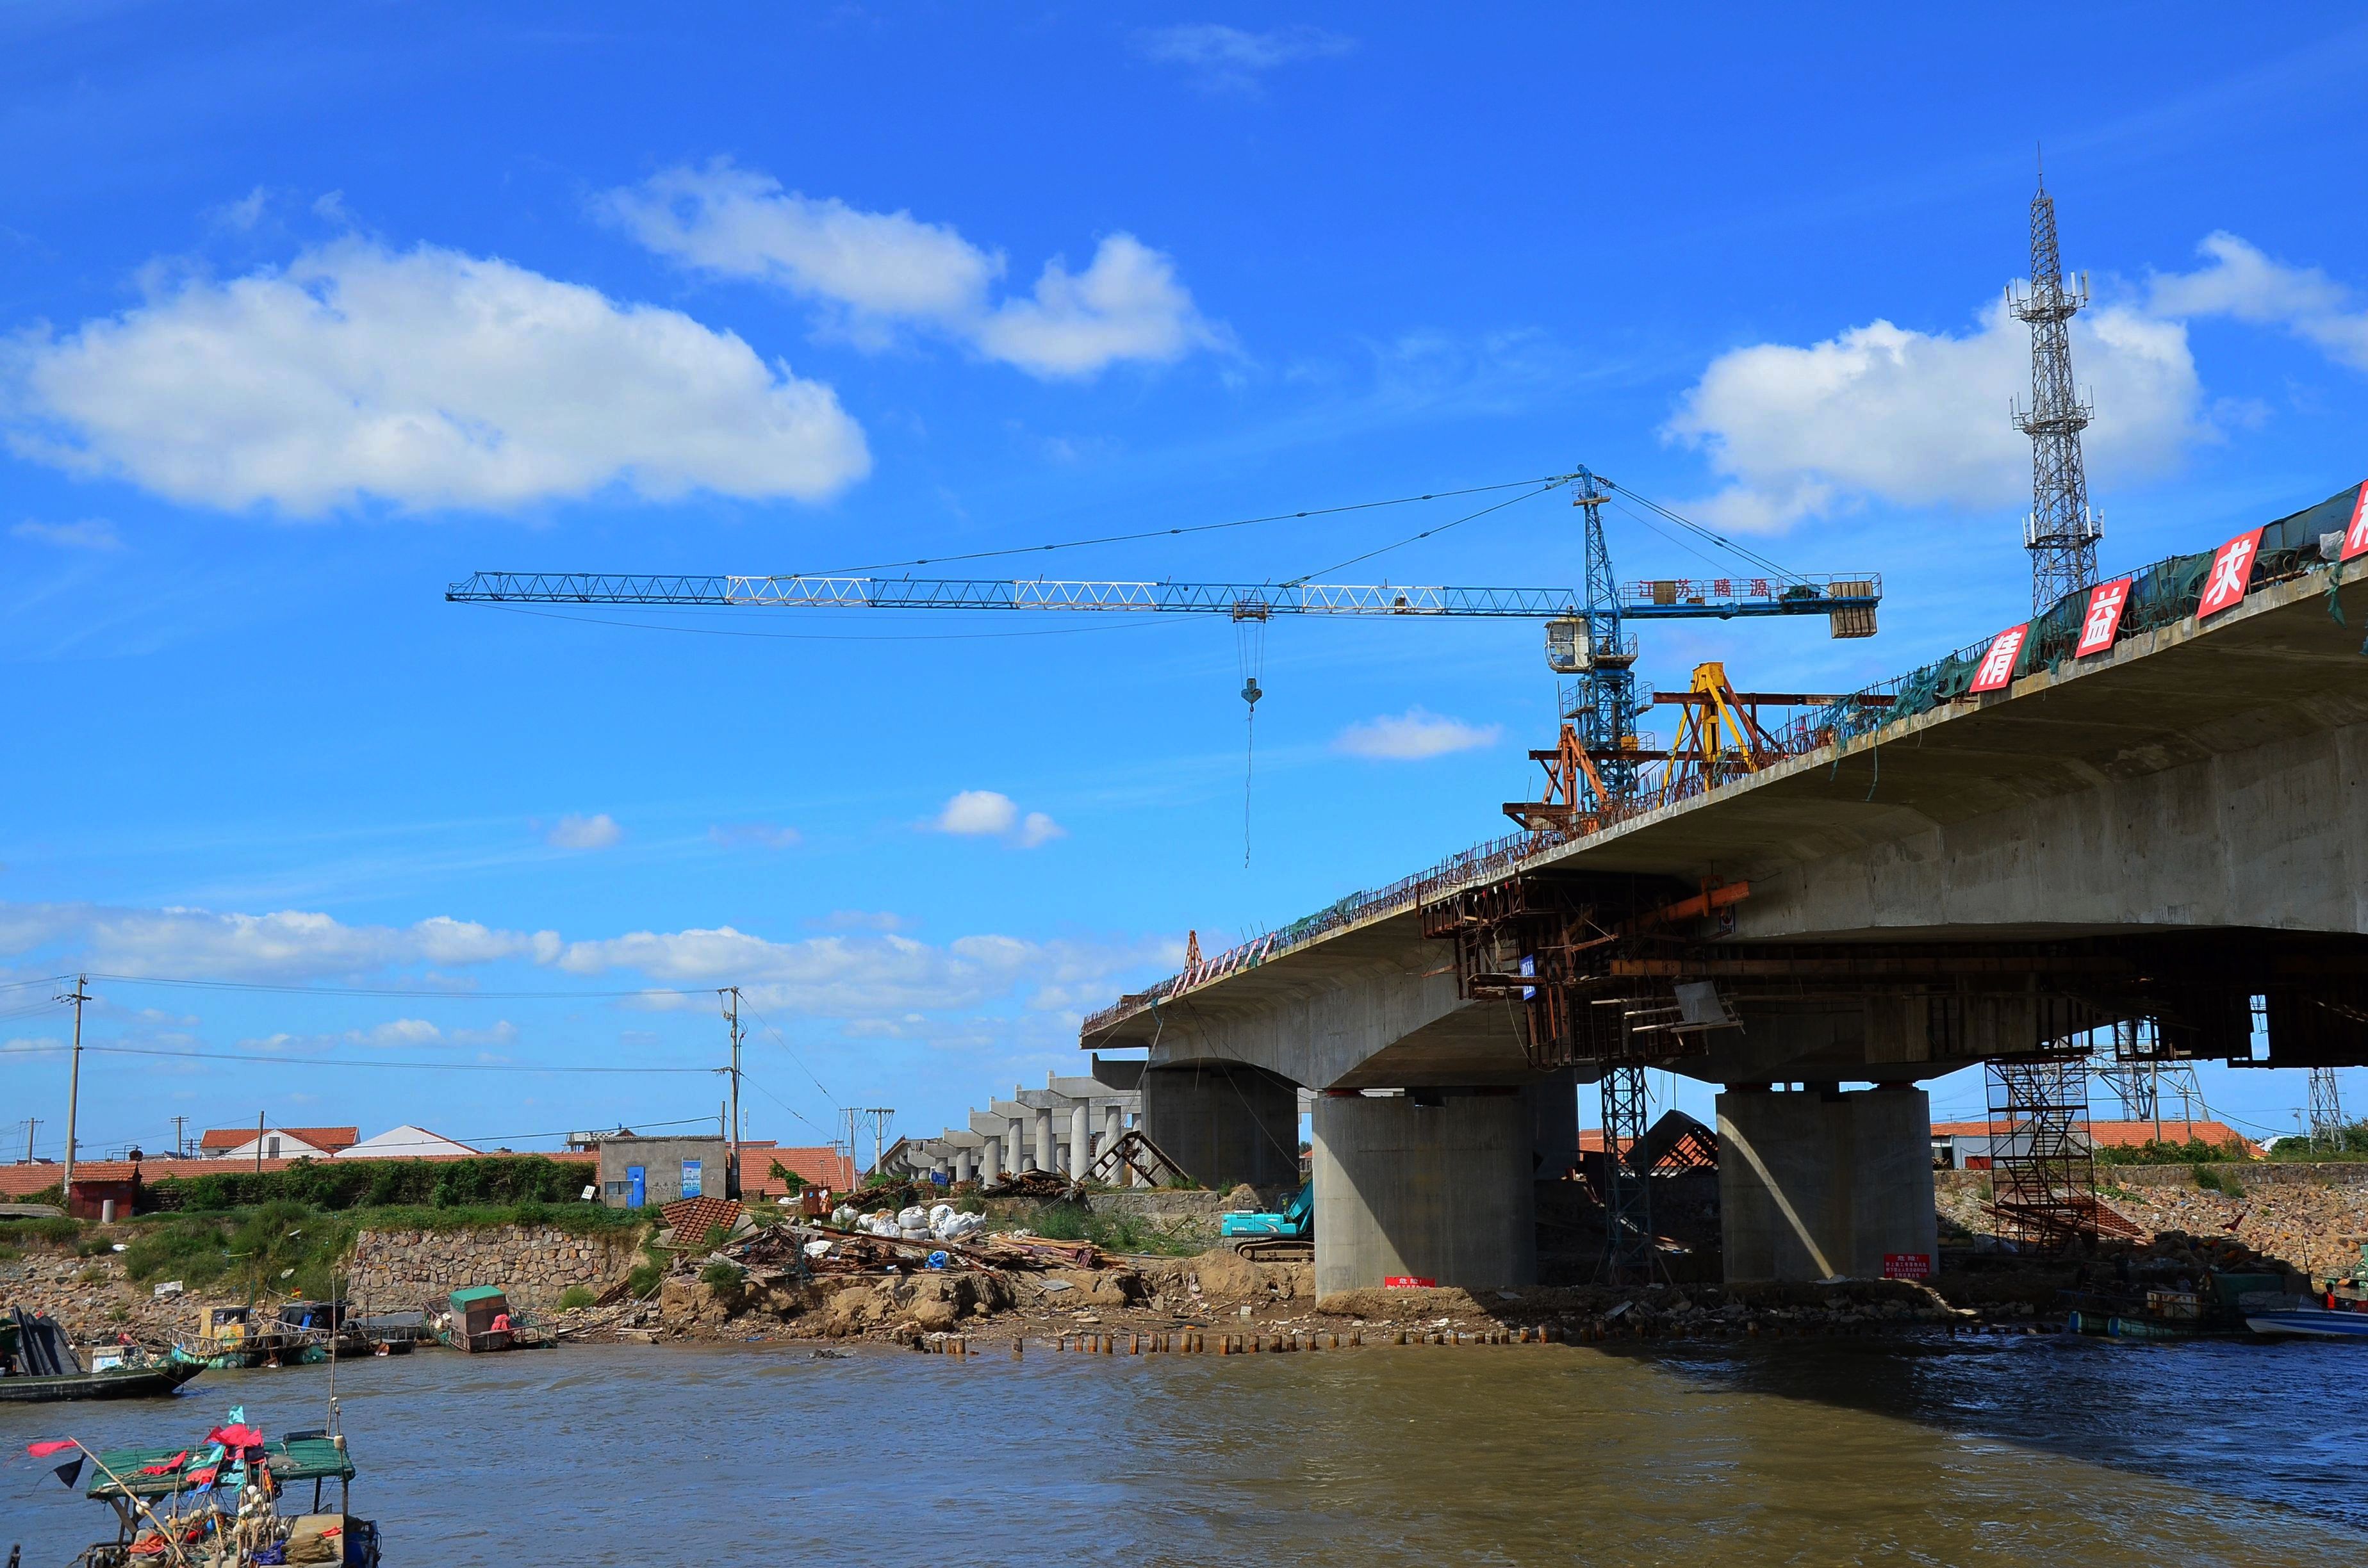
<point>1431,1185</point>
<point>1225,1122</point>
<point>1821,1183</point>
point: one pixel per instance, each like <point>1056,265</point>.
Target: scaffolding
<point>2043,1169</point>
<point>1629,1255</point>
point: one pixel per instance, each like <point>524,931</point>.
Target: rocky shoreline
<point>2308,1224</point>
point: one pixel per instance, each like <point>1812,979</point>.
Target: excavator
<point>1285,1237</point>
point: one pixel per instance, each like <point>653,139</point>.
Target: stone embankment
<point>535,1264</point>
<point>2313,1216</point>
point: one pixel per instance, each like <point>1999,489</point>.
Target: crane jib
<point>1663,598</point>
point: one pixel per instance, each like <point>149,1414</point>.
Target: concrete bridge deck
<point>2170,828</point>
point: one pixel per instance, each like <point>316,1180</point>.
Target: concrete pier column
<point>966,1164</point>
<point>1224,1123</point>
<point>1553,1122</point>
<point>1043,1154</point>
<point>1012,1151</point>
<point>990,1160</point>
<point>1081,1141</point>
<point>1113,1125</point>
<point>1822,1183</point>
<point>1431,1185</point>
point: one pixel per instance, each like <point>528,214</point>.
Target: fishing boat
<point>2309,1323</point>
<point>478,1318</point>
<point>224,1501</point>
<point>229,1338</point>
<point>39,1366</point>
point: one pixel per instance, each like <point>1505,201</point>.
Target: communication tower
<point>2062,531</point>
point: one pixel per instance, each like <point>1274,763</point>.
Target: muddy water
<point>2008,1451</point>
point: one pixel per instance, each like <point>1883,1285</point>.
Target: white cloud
<point>2244,283</point>
<point>978,811</point>
<point>583,833</point>
<point>1922,418</point>
<point>736,222</point>
<point>1126,306</point>
<point>849,976</point>
<point>287,944</point>
<point>396,1034</point>
<point>1230,58</point>
<point>754,835</point>
<point>425,378</point>
<point>873,272</point>
<point>1412,735</point>
<point>87,533</point>
<point>983,813</point>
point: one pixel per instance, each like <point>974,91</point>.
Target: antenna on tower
<point>2062,531</point>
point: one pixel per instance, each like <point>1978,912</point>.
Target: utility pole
<point>258,1143</point>
<point>731,995</point>
<point>881,1116</point>
<point>180,1138</point>
<point>30,1122</point>
<point>2062,531</point>
<point>74,1085</point>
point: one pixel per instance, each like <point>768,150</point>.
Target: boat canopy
<point>308,1456</point>
<point>476,1295</point>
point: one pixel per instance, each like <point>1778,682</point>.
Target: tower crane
<point>1584,626</point>
<point>1595,769</point>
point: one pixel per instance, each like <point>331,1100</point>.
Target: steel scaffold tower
<point>2042,1170</point>
<point>2062,531</point>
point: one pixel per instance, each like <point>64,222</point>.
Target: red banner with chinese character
<point>2106,601</point>
<point>2232,570</point>
<point>2355,537</point>
<point>1907,1265</point>
<point>1997,668</point>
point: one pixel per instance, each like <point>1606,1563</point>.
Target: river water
<point>2042,1451</point>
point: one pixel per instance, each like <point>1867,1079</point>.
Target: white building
<point>405,1142</point>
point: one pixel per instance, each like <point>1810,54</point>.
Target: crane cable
<point>1249,653</point>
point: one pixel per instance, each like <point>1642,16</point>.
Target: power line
<point>783,1041</point>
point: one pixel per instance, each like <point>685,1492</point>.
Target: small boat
<point>39,1366</point>
<point>220,1501</point>
<point>478,1318</point>
<point>2309,1323</point>
<point>229,1338</point>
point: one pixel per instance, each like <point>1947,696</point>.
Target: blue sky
<point>304,314</point>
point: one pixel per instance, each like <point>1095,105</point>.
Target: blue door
<point>636,1185</point>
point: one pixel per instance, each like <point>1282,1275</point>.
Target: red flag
<point>202,1477</point>
<point>235,1438</point>
<point>2232,573</point>
<point>168,1467</point>
<point>43,1451</point>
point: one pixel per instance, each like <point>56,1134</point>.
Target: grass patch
<point>721,1279</point>
<point>2211,1180</point>
<point>50,1231</point>
<point>1112,1233</point>
<point>574,1296</point>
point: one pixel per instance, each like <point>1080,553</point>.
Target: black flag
<point>70,1472</point>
